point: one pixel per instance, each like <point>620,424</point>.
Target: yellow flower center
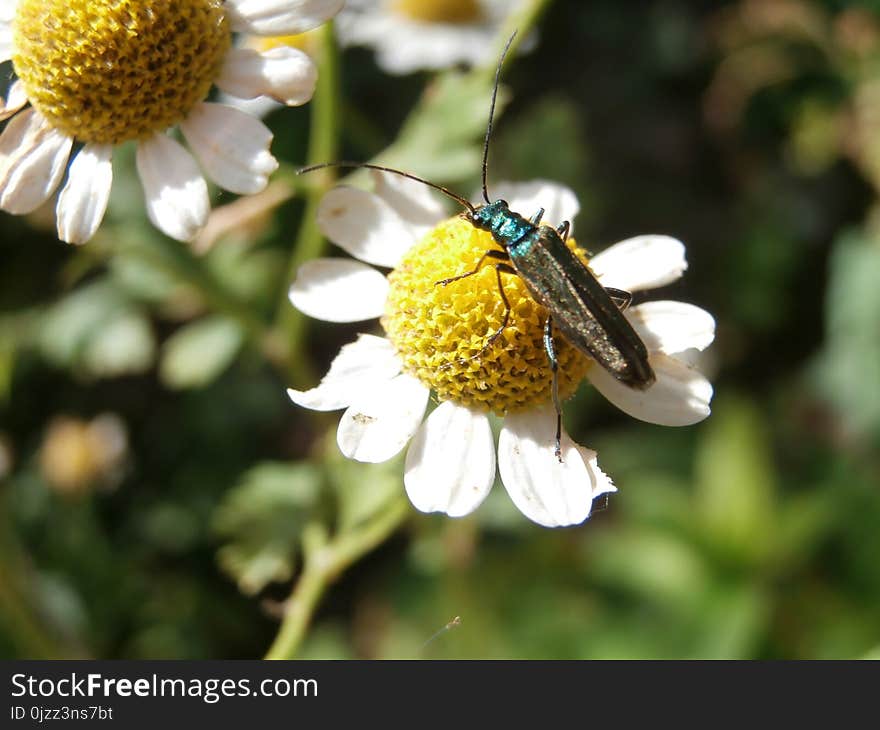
<point>439,331</point>
<point>439,11</point>
<point>108,71</point>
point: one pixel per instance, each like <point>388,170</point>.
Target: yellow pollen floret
<point>307,41</point>
<point>439,11</point>
<point>438,331</point>
<point>108,71</point>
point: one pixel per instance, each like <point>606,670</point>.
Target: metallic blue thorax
<point>507,228</point>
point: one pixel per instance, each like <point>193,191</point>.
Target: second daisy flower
<point>103,72</point>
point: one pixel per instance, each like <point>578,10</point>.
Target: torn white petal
<point>643,262</point>
<point>360,366</point>
<point>601,482</point>
<point>175,191</point>
<point>339,290</point>
<point>382,420</point>
<point>283,73</point>
<point>232,147</point>
<point>33,155</point>
<point>83,199</point>
<point>450,464</point>
<point>547,491</point>
<point>679,397</point>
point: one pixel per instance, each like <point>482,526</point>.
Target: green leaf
<point>815,138</point>
<point>8,352</point>
<point>362,490</point>
<point>731,622</point>
<point>249,274</point>
<point>736,481</point>
<point>123,345</point>
<point>442,137</point>
<point>653,564</point>
<point>261,520</point>
<point>848,369</point>
<point>142,279</point>
<point>256,564</point>
<point>199,352</point>
<point>803,522</point>
<point>98,329</point>
<point>522,151</point>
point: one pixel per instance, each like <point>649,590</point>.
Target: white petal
<point>365,226</point>
<point>382,420</point>
<point>415,203</point>
<point>559,202</point>
<point>643,262</point>
<point>83,199</point>
<point>33,156</point>
<point>16,98</point>
<point>284,73</point>
<point>6,40</point>
<point>176,193</point>
<point>339,290</point>
<point>280,17</point>
<point>602,483</point>
<point>671,327</point>
<point>232,147</point>
<point>260,107</point>
<point>546,491</point>
<point>679,397</point>
<point>7,11</point>
<point>359,367</point>
<point>450,464</point>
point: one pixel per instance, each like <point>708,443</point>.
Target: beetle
<point>588,315</point>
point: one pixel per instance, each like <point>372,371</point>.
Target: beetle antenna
<point>491,115</point>
<point>446,191</point>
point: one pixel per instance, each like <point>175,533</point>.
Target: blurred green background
<point>156,480</point>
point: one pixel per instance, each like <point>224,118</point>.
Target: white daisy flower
<point>410,35</point>
<point>433,334</point>
<point>102,72</point>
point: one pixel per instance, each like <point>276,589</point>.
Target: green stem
<point>323,146</point>
<point>325,560</point>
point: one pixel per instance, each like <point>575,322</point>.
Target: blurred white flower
<point>410,35</point>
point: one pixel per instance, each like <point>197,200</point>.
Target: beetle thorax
<point>506,226</point>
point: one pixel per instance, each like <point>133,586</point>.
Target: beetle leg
<point>499,269</point>
<point>550,349</point>
<point>620,297</point>
<point>492,253</point>
<point>536,219</point>
<point>563,230</point>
